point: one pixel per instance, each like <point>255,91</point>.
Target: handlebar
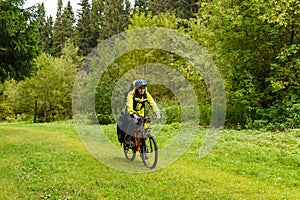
<point>146,118</point>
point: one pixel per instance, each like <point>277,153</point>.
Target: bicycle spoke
<point>149,153</point>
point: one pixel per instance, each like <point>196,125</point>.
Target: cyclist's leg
<point>129,130</point>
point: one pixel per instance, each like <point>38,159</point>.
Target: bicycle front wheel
<point>149,152</point>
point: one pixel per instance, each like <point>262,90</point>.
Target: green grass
<point>49,161</point>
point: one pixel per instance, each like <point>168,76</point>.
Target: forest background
<point>255,45</point>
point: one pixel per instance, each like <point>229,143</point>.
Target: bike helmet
<point>140,83</point>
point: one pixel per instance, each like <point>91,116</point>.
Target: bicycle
<point>142,141</point>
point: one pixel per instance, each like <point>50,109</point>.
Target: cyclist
<point>135,106</point>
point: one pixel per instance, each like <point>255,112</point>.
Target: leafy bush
<point>278,117</point>
<point>205,113</point>
<point>174,114</point>
<point>105,119</point>
<point>293,119</point>
<point>237,116</point>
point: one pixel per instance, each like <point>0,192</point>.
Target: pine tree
<point>84,34</point>
<point>162,6</point>
<point>185,9</point>
<point>49,35</point>
<point>68,21</point>
<point>96,21</point>
<point>45,29</point>
<point>18,40</point>
<point>115,19</point>
<point>42,26</point>
<point>58,31</point>
<point>141,5</point>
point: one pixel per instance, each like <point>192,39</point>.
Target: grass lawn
<point>49,161</point>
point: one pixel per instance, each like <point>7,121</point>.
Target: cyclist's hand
<point>135,118</point>
<point>158,115</point>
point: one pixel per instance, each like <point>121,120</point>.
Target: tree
<point>7,92</point>
<point>115,18</point>
<point>256,47</point>
<point>58,31</point>
<point>51,88</point>
<point>120,68</point>
<point>186,9</point>
<point>68,21</point>
<point>84,34</point>
<point>18,40</point>
<point>48,35</point>
<point>141,5</point>
<point>45,30</point>
<point>162,6</point>
<point>42,26</point>
<point>96,21</point>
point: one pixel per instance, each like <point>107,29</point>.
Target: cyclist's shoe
<point>144,155</point>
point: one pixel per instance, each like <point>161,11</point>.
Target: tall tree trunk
<point>35,111</point>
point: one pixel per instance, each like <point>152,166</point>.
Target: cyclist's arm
<point>152,103</point>
<point>129,103</point>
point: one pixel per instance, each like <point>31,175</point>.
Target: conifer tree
<point>115,19</point>
<point>58,31</point>
<point>42,26</point>
<point>68,21</point>
<point>141,5</point>
<point>84,34</point>
<point>162,6</point>
<point>185,9</point>
<point>18,40</point>
<point>96,21</point>
<point>49,35</point>
<point>45,29</point>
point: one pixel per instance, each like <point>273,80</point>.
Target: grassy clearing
<point>49,161</point>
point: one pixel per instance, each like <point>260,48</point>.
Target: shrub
<point>174,114</point>
<point>105,118</point>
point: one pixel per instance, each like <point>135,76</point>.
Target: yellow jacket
<point>135,104</point>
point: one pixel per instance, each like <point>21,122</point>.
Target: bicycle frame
<point>143,142</point>
<point>137,139</point>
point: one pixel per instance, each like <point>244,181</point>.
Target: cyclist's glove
<point>158,115</point>
<point>135,118</point>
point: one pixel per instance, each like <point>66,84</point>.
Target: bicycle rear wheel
<point>149,152</point>
<point>129,152</point>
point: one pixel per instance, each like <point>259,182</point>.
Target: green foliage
<point>83,29</point>
<point>141,6</point>
<point>105,119</point>
<point>115,17</point>
<point>278,117</point>
<point>186,9</point>
<point>183,9</point>
<point>18,40</point>
<point>63,28</point>
<point>255,46</point>
<point>96,21</point>
<point>51,88</point>
<point>68,21</point>
<point>174,114</point>
<point>58,31</point>
<point>126,63</point>
<point>7,91</point>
